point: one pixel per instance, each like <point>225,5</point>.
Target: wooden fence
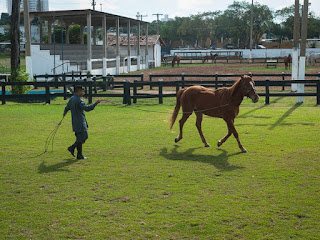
<point>129,90</point>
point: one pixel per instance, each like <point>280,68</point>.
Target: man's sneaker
<point>81,157</point>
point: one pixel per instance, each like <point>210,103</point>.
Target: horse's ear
<point>251,75</point>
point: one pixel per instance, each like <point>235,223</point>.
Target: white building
<point>166,18</point>
<point>33,6</point>
<point>116,53</point>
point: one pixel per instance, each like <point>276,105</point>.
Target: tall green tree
<point>15,38</point>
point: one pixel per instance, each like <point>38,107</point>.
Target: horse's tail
<point>177,108</point>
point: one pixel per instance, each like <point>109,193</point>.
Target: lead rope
<point>50,138</point>
<point>154,111</point>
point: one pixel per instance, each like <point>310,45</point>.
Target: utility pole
<point>295,49</point>
<point>93,4</point>
<point>157,14</point>
<point>302,62</point>
<point>140,16</point>
<point>251,30</point>
<point>15,38</point>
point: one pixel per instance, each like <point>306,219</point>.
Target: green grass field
<point>139,184</point>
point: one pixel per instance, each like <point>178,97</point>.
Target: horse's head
<point>248,88</point>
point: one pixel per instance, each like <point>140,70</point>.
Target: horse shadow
<point>219,161</point>
<point>43,168</point>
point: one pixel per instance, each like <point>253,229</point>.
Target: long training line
<point>50,139</point>
<point>166,112</point>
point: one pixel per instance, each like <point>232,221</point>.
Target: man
<point>79,122</point>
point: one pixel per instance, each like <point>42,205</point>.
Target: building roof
<point>80,17</point>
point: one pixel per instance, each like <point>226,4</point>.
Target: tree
<point>286,15</point>
<point>234,23</point>
<point>15,38</point>
<point>5,37</point>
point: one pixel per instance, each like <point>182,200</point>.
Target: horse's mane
<point>234,88</point>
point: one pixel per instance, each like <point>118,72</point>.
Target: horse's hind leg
<point>184,118</point>
<point>198,125</point>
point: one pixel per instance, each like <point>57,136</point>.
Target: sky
<point>173,8</point>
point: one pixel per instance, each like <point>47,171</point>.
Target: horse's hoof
<point>176,140</point>
<point>207,145</point>
<point>243,150</point>
<point>219,144</point>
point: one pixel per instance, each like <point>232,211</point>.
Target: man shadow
<point>43,168</point>
<point>219,161</point>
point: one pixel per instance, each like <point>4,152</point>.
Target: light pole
<point>157,14</point>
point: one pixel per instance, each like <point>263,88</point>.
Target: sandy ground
<point>231,68</point>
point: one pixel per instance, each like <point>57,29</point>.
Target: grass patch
<point>139,184</point>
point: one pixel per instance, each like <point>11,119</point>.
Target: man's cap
<point>79,87</point>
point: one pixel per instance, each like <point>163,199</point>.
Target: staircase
<point>76,54</point>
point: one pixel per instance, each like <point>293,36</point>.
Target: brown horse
<point>177,59</point>
<point>223,103</point>
<point>212,56</point>
<point>287,61</point>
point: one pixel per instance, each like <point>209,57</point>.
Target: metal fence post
<point>90,92</point>
<point>135,90</point>
<point>126,92</point>
<point>267,91</point>
<point>128,96</point>
<point>3,87</point>
<point>142,79</point>
<point>47,93</point>
<point>177,85</point>
<point>160,91</point>
<point>283,86</point>
<point>318,91</point>
<point>150,80</point>
<point>124,101</point>
<point>64,77</point>
<point>104,85</point>
<point>65,91</point>
<point>35,80</point>
<point>182,80</point>
<point>216,77</point>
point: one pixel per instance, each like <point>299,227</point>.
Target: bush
<point>19,77</point>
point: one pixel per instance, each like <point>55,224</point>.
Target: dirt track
<point>231,68</point>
